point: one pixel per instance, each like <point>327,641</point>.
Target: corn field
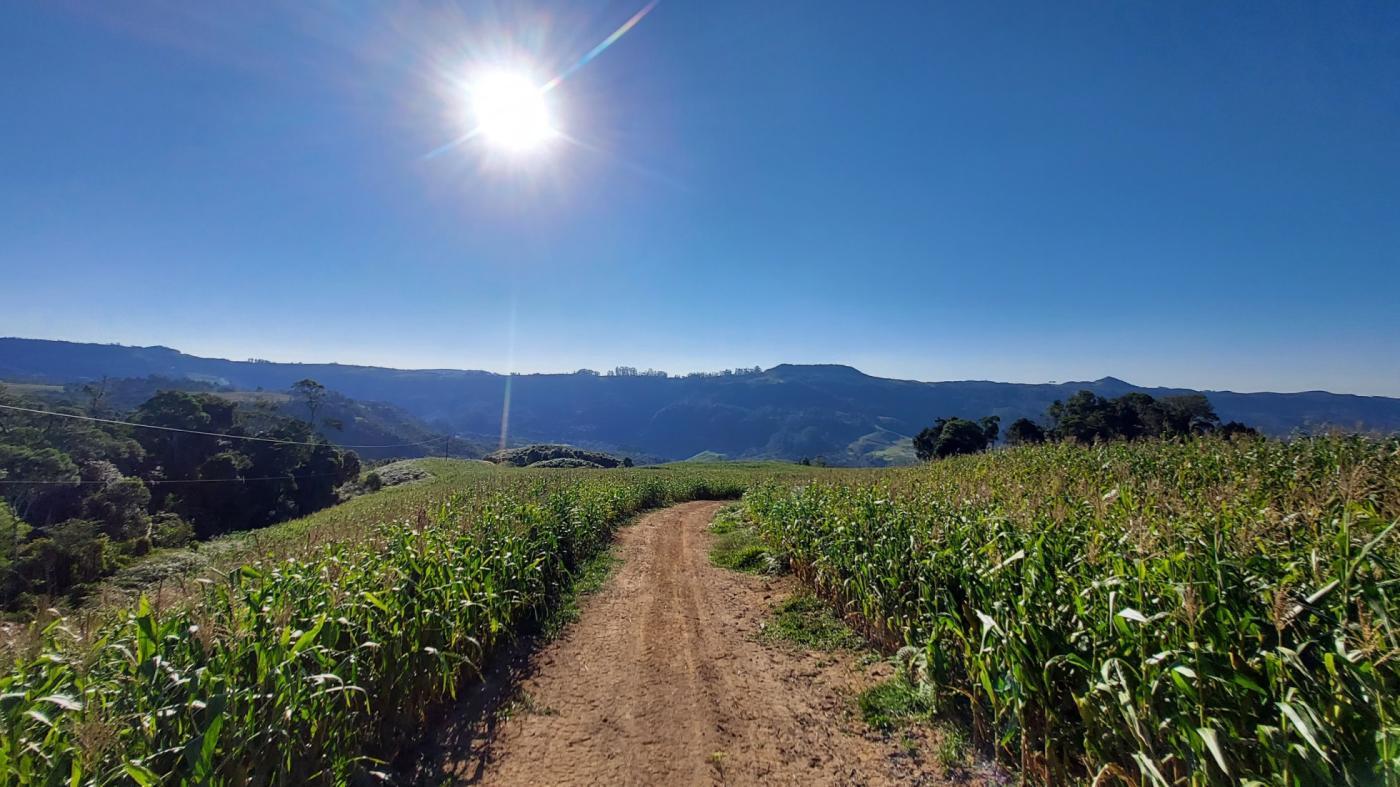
<point>1152,613</point>
<point>1157,613</point>
<point>315,669</point>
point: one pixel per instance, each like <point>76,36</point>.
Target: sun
<point>510,111</point>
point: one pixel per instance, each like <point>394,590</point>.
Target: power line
<point>76,417</point>
<point>7,482</point>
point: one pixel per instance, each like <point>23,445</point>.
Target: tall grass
<point>315,669</point>
<point>1151,613</point>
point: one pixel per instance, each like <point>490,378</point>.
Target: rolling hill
<point>788,411</point>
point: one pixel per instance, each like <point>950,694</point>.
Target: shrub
<point>169,530</point>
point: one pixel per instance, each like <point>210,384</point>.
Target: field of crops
<point>318,667</point>
<point>1149,613</point>
<point>350,521</point>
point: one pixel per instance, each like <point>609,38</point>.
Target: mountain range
<point>788,411</point>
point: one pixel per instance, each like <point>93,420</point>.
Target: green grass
<point>587,580</point>
<point>738,546</point>
<point>893,703</point>
<point>882,447</point>
<point>806,621</point>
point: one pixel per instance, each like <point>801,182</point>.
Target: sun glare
<point>510,112</point>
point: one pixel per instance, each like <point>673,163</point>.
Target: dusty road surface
<point>663,681</point>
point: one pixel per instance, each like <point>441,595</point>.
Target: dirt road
<point>663,681</point>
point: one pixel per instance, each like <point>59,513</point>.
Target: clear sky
<point>1197,194</point>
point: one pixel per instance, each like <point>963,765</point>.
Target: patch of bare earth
<point>663,681</point>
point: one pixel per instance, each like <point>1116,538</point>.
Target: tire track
<point>663,681</point>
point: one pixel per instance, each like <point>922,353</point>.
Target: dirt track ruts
<point>663,681</point>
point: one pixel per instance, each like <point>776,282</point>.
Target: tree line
<point>1085,417</point>
<point>632,371</point>
<point>79,499</point>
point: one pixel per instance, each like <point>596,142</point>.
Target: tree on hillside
<point>1189,414</point>
<point>1087,417</point>
<point>1234,429</point>
<point>1024,431</point>
<point>178,455</point>
<point>30,473</point>
<point>926,441</point>
<point>13,530</point>
<point>79,498</point>
<point>96,394</point>
<point>1134,415</point>
<point>950,436</point>
<point>313,395</point>
<point>991,427</point>
<point>120,509</point>
<point>1083,417</point>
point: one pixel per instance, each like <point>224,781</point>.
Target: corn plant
<point>1155,613</point>
<point>315,669</point>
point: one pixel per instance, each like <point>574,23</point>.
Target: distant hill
<point>788,412</point>
<point>342,420</point>
<point>361,423</point>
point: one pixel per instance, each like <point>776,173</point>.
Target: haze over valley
<point>788,412</point>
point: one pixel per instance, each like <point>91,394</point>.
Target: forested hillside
<point>788,411</point>
<point>341,420</point>
<point>85,489</point>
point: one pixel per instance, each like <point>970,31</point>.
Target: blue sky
<point>1197,194</point>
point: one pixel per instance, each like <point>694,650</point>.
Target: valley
<point>786,412</point>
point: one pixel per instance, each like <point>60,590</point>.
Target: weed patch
<point>523,704</point>
<point>738,546</point>
<point>893,703</point>
<point>804,620</point>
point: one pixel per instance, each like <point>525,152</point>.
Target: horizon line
<point>662,374</point>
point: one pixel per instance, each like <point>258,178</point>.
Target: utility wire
<point>5,482</point>
<point>196,431</point>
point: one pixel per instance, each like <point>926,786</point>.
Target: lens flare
<point>511,112</point>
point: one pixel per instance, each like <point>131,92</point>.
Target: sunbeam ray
<point>625,162</point>
<point>441,149</point>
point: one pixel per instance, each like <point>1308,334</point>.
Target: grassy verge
<point>738,546</point>
<point>895,706</point>
<point>894,703</point>
<point>806,621</point>
<point>587,580</point>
